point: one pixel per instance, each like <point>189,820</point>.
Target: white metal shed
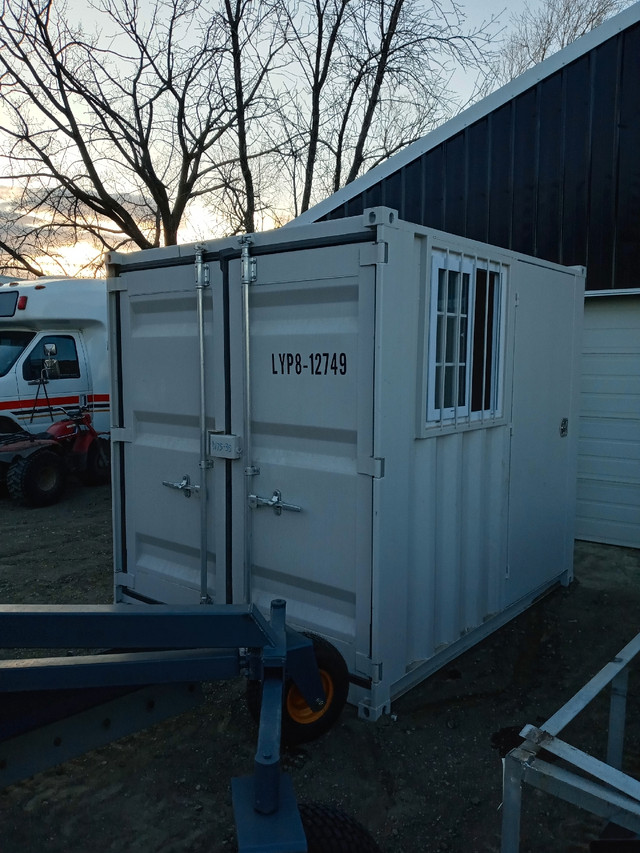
<point>383,433</point>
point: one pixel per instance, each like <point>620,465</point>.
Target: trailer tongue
<point>55,708</point>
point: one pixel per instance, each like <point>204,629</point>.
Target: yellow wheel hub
<point>297,708</point>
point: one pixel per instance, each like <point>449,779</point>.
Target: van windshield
<point>12,345</point>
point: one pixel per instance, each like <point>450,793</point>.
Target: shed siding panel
<point>608,508</point>
<point>455,198</point>
<point>413,210</point>
<point>628,216</point>
<point>478,181</point>
<point>356,205</point>
<point>525,172</point>
<point>576,168</point>
<point>501,172</point>
<point>550,170</point>
<point>373,196</point>
<point>562,168</point>
<point>434,188</point>
<point>602,176</point>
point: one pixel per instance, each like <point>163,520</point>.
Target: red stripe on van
<point>42,403</point>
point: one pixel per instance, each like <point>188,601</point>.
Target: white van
<point>53,352</point>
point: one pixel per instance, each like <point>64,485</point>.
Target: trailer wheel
<point>301,724</point>
<point>98,470</point>
<point>38,479</point>
<point>329,830</point>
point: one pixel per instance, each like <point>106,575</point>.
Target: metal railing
<point>597,786</point>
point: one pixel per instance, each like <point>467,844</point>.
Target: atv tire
<point>38,479</point>
<point>98,470</point>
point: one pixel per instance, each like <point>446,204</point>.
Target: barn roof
<point>476,112</point>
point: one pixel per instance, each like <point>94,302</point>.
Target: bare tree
<point>112,137</point>
<point>541,30</point>
<point>373,78</point>
<point>247,111</point>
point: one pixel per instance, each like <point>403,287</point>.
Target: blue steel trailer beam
<point>38,746</point>
<point>129,626</point>
<point>264,805</point>
<point>110,670</point>
<point>151,627</point>
<point>176,644</point>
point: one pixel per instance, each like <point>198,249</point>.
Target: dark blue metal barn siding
<point>554,172</point>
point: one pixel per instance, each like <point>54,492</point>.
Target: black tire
<point>98,470</point>
<point>38,479</point>
<point>329,830</point>
<point>299,723</point>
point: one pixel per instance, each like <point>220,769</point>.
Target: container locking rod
<point>185,486</point>
<point>275,502</point>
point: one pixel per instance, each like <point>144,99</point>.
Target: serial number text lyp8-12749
<point>315,363</point>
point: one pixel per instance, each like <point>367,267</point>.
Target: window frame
<point>18,348</point>
<point>54,338</point>
<point>461,414</point>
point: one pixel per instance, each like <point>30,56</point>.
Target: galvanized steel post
<point>617,719</point>
<point>202,282</point>
<point>511,804</point>
<point>248,276</point>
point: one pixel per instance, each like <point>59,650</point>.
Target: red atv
<point>36,465</point>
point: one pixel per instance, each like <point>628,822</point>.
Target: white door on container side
<point>542,471</point>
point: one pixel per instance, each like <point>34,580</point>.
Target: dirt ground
<point>426,778</point>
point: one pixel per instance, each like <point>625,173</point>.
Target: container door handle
<point>185,486</point>
<point>275,502</point>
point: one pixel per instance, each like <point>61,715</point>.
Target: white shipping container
<point>370,419</point>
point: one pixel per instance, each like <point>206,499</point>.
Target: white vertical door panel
<point>161,414</point>
<point>311,319</point>
<point>542,477</point>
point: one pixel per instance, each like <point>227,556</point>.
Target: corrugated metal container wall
<point>389,435</point>
<point>553,173</point>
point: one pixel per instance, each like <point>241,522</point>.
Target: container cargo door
<point>160,488</point>
<point>309,503</point>
<point>545,428</point>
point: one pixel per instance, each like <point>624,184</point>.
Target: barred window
<point>464,340</point>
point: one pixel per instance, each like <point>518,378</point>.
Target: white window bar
<point>466,331</point>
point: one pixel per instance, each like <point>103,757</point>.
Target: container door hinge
<point>249,271</point>
<point>127,579</point>
<point>115,284</point>
<point>366,666</point>
<point>374,253</point>
<point>371,466</point>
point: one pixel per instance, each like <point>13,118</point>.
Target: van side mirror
<point>50,366</point>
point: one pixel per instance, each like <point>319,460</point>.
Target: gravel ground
<point>426,778</point>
